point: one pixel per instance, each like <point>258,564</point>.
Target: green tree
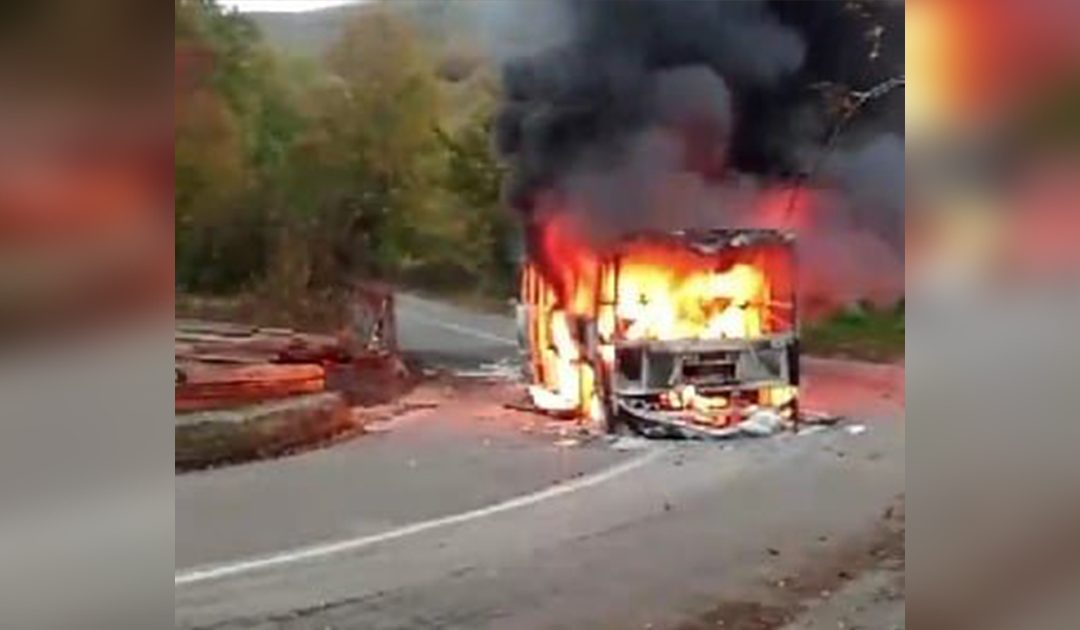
<point>474,176</point>
<point>363,172</point>
<point>299,176</point>
<point>235,124</point>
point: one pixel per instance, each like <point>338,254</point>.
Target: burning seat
<point>664,331</point>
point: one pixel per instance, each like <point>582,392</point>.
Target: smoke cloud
<point>649,114</point>
<point>632,65</point>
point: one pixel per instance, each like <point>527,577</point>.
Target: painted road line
<point>284,558</point>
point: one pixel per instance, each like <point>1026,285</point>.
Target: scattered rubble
<point>382,418</point>
<point>503,369</point>
<point>809,418</point>
<point>545,401</point>
<point>629,443</point>
<point>761,423</point>
<point>646,424</point>
<point>810,430</point>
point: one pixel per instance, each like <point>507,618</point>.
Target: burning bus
<point>669,333</point>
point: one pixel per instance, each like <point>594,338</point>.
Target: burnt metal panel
<point>726,364</point>
<point>628,365</point>
<point>659,368</point>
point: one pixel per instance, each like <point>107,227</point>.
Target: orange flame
<point>665,295</point>
<point>643,289</point>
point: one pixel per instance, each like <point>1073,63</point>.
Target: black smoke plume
<point>746,87</point>
<point>666,114</point>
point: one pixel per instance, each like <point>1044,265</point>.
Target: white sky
<point>283,6</point>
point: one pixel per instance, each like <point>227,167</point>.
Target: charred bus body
<point>667,332</point>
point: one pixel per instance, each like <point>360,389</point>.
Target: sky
<point>282,6</point>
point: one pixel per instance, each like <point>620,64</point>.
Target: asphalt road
<point>450,336</point>
<point>459,517</point>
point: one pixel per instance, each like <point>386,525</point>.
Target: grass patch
<point>859,333</point>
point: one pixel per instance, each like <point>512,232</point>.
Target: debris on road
<point>818,418</point>
<point>562,413</point>
<point>545,401</point>
<point>381,418</point>
<point>503,369</point>
<point>758,421</point>
<point>629,443</point>
<point>762,423</point>
<point>855,429</point>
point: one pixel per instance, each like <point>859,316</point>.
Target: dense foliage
<point>301,175</point>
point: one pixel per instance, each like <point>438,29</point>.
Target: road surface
<point>467,515</point>
<point>449,336</point>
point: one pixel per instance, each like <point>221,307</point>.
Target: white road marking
<point>464,330</point>
<point>194,576</point>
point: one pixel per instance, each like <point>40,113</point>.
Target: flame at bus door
<point>569,381</point>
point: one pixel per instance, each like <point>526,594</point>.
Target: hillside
<point>305,34</point>
<point>309,33</point>
<point>447,27</point>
